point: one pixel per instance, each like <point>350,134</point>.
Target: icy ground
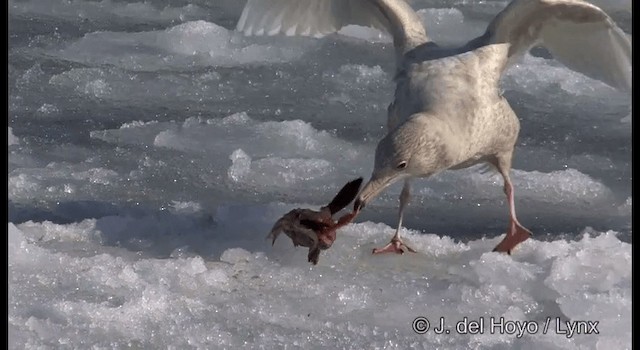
<point>151,148</point>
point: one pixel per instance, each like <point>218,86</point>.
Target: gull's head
<point>407,151</point>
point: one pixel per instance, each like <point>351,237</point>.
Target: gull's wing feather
<point>598,50</point>
<point>578,34</point>
<point>307,18</point>
<point>321,17</point>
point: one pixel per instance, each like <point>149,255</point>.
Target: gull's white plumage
<point>448,112</point>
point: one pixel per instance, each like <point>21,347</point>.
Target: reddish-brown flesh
<point>316,230</point>
<point>327,235</point>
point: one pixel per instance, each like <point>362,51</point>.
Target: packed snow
<point>151,148</point>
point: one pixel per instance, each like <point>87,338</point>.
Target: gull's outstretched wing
<point>307,18</point>
<point>578,34</point>
<point>321,17</point>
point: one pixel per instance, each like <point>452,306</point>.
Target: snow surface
<point>201,286</point>
<point>151,148</point>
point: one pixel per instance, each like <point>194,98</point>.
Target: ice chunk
<point>449,26</point>
<point>60,180</point>
<point>15,240</point>
<point>31,77</point>
<point>191,44</point>
<point>561,186</point>
<point>133,87</point>
<point>240,165</point>
<point>47,109</point>
<point>13,140</point>
<point>87,81</point>
<point>97,88</point>
<point>48,231</point>
<point>274,173</point>
<point>221,137</point>
<point>548,77</point>
<point>216,277</point>
<point>235,255</point>
<point>602,264</point>
<point>23,185</point>
<point>365,33</point>
<point>104,10</point>
<point>627,119</point>
<point>185,207</point>
<point>566,186</point>
<point>268,156</point>
<point>100,176</point>
<point>134,132</point>
<point>363,76</point>
<point>360,86</point>
<point>625,209</point>
<point>601,290</point>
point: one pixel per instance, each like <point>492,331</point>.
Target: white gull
<point>448,111</point>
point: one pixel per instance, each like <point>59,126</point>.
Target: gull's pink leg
<point>517,233</point>
<point>396,245</point>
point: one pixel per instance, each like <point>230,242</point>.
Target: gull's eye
<point>401,165</point>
